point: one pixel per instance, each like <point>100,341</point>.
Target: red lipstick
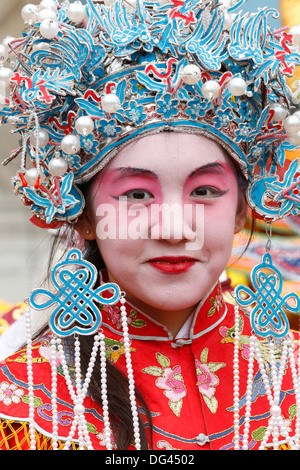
<point>172,264</point>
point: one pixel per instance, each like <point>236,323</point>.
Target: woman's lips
<point>172,264</point>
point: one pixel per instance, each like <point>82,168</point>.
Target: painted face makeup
<point>165,213</point>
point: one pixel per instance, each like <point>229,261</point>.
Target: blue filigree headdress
<point>88,79</point>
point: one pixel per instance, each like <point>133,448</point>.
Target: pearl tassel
<point>236,378</point>
<point>135,416</point>
<point>78,398</point>
<point>54,395</point>
<point>276,426</point>
<point>30,379</point>
<point>249,393</point>
<point>107,430</point>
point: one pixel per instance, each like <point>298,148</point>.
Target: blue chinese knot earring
<point>77,313</point>
<point>267,310</point>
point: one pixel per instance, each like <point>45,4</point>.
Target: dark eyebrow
<point>208,168</point>
<point>132,171</point>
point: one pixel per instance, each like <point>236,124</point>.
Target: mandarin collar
<point>209,313</point>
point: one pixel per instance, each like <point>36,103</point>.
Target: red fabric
<point>188,384</point>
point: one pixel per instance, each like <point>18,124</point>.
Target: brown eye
<point>201,192</point>
<point>138,194</point>
<point>207,192</point>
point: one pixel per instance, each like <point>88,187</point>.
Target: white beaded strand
<point>79,419</point>
<point>135,416</point>
<point>30,379</point>
<point>276,422</point>
<point>54,394</point>
<point>107,429</point>
<point>249,392</point>
<point>236,379</point>
<point>296,383</point>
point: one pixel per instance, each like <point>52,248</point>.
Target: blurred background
<point>24,247</point>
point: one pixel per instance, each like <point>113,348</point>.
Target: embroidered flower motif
<point>223,118</point>
<point>45,352</point>
<point>109,128</point>
<point>216,303</point>
<point>207,380</point>
<point>114,314</point>
<point>164,445</point>
<point>89,144</point>
<point>137,87</point>
<point>242,132</point>
<point>167,106</point>
<point>197,108</point>
<point>135,113</point>
<point>73,161</point>
<point>101,437</point>
<point>10,393</point>
<point>170,380</point>
<point>229,334</point>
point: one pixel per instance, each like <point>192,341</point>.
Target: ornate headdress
<point>89,78</point>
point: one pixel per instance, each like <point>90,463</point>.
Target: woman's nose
<point>170,222</point>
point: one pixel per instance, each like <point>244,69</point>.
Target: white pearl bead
<point>47,14</point>
<point>237,86</point>
<point>191,74</point>
<point>275,410</point>
<point>58,166</point>
<point>79,410</point>
<point>32,175</point>
<point>70,144</point>
<point>294,139</point>
<point>29,13</point>
<point>110,103</point>
<point>3,52</point>
<point>84,125</point>
<point>46,4</point>
<point>43,138</point>
<point>5,75</point>
<point>292,124</point>
<point>49,28</point>
<point>211,90</point>
<point>295,31</point>
<point>280,113</point>
<point>76,12</point>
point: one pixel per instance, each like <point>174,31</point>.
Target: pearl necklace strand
<point>135,416</point>
<point>236,379</point>
<point>30,379</point>
<point>276,425</point>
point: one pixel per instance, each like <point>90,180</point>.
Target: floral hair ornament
<point>90,78</point>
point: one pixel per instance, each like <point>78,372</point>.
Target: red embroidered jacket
<point>186,382</point>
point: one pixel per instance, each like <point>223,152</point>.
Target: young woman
<point>163,200</point>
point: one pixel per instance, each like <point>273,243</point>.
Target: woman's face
<point>164,213</point>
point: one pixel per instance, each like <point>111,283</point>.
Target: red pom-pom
<point>42,224</point>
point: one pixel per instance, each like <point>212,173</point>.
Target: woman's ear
<point>241,216</point>
<point>85,226</point>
